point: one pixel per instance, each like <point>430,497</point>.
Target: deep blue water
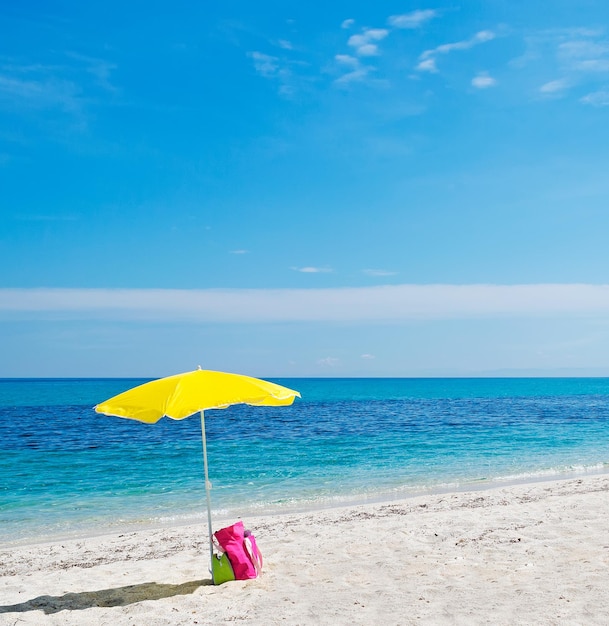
<point>66,470</point>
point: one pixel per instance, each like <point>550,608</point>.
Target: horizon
<point>480,377</point>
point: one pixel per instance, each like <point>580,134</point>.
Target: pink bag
<point>241,549</point>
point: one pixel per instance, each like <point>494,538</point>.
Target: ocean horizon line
<point>317,377</point>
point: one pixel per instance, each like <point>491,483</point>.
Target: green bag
<point>221,569</point>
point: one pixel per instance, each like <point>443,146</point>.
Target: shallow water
<point>67,470</point>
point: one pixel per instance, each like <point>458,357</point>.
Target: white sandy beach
<point>524,554</point>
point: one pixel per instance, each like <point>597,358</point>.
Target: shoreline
<point>532,553</point>
<point>306,507</point>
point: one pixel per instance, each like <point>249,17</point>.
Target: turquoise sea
<point>67,471</point>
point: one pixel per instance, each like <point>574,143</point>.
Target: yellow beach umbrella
<point>182,395</point>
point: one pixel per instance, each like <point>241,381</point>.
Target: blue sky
<point>285,189</point>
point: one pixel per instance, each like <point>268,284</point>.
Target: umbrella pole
<point>207,489</point>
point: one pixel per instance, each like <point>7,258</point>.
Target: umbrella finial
<point>198,367</point>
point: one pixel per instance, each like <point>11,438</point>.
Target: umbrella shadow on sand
<point>119,596</point>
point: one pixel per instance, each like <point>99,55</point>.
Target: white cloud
<point>357,40</point>
<point>239,251</point>
<point>368,50</point>
<point>328,361</point>
<point>365,46</point>
<point>430,55</point>
<point>347,23</point>
<point>357,71</point>
<point>354,76</point>
<point>412,20</point>
<point>363,43</point>
<point>584,55</point>
<point>265,64</point>
<point>580,57</point>
<point>597,99</point>
<point>68,88</point>
<point>593,65</point>
<point>43,93</point>
<point>480,37</point>
<point>275,69</point>
<point>286,90</point>
<point>374,34</point>
<point>483,81</point>
<point>428,65</point>
<point>285,44</point>
<point>347,59</point>
<point>554,86</point>
<point>312,270</point>
<point>368,356</point>
<point>371,272</point>
<point>398,303</point>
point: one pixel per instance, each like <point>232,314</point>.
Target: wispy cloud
<point>312,270</point>
<point>368,356</point>
<point>567,58</point>
<point>278,69</point>
<point>357,65</point>
<point>584,55</point>
<point>354,70</point>
<point>428,59</point>
<point>347,60</point>
<point>371,272</point>
<point>285,44</point>
<point>577,57</point>
<point>365,44</point>
<point>265,64</point>
<point>483,81</point>
<point>66,87</point>
<point>239,251</point>
<point>100,69</point>
<point>427,65</point>
<point>415,19</point>
<point>597,98</point>
<point>328,361</point>
<point>554,87</point>
<point>41,217</point>
<point>397,303</point>
<point>40,93</point>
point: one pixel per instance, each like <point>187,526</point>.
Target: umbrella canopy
<point>182,395</point>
